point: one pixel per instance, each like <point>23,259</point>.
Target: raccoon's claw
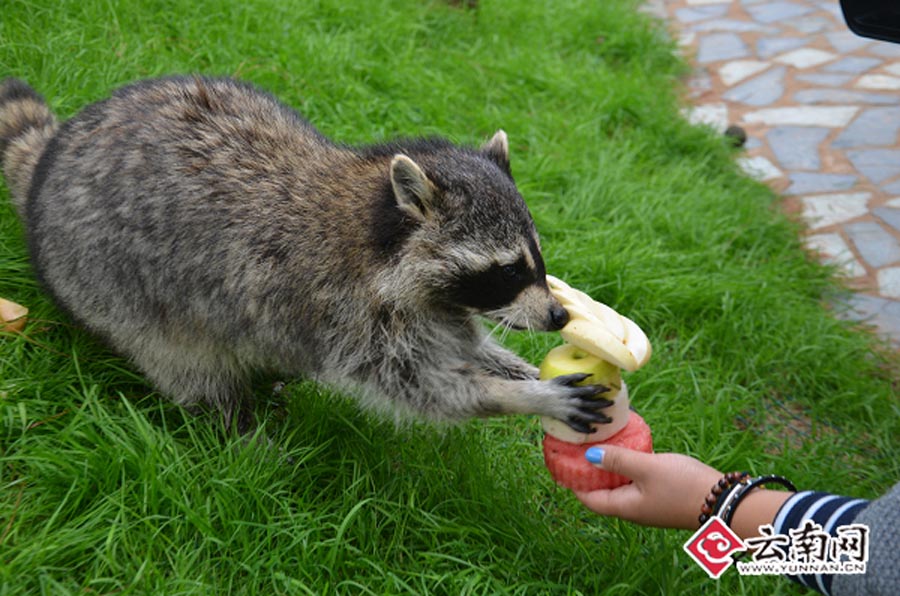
<point>584,400</point>
<point>573,380</point>
<point>580,426</point>
<point>587,414</point>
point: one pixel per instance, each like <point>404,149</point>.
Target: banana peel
<point>599,330</point>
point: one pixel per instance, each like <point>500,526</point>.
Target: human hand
<point>667,489</point>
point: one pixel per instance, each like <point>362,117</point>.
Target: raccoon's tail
<point>26,126</point>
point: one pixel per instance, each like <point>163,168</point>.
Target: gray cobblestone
<point>761,90</point>
<point>890,215</point>
<point>878,165</point>
<point>729,25</point>
<point>853,65</point>
<point>804,183</point>
<point>771,12</point>
<point>874,126</point>
<point>844,41</point>
<point>878,312</point>
<point>843,96</point>
<point>721,46</point>
<point>876,246</point>
<point>891,188</point>
<point>768,47</point>
<point>700,13</point>
<point>797,147</point>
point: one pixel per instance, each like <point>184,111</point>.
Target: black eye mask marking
<point>498,285</point>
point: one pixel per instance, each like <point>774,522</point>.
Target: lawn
<point>107,489</point>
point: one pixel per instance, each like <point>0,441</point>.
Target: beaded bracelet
<point>725,484</point>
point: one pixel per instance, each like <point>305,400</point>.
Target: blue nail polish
<point>594,454</point>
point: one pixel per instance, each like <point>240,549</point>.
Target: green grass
<point>105,488</point>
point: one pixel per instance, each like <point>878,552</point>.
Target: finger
<point>636,465</point>
<point>614,502</point>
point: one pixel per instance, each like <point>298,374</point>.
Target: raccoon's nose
<point>558,317</point>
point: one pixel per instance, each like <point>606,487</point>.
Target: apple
<point>12,316</point>
<point>568,359</point>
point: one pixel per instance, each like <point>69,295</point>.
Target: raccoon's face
<point>476,247</point>
<point>508,286</point>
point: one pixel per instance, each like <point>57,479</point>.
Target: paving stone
<point>888,50</point>
<point>771,46</point>
<point>811,25</point>
<point>686,39</point>
<point>891,188</point>
<point>704,2</point>
<point>853,65</point>
<point>820,211</point>
<point>834,251</point>
<point>846,42</point>
<point>721,46</point>
<point>738,70</point>
<point>759,168</point>
<point>714,115</point>
<point>762,90</point>
<point>817,78</point>
<point>657,8</point>
<point>817,96</point>
<point>875,245</point>
<point>729,25</point>
<point>878,165</point>
<point>829,116</point>
<point>878,81</point>
<point>890,215</point>
<point>832,7</point>
<point>889,282</point>
<point>874,126</point>
<point>752,143</point>
<point>882,313</point>
<point>694,14</point>
<point>805,182</point>
<point>797,147</point>
<point>772,12</point>
<point>805,57</point>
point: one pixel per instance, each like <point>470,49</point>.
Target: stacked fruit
<point>601,342</point>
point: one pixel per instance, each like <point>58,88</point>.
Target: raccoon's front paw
<point>581,405</point>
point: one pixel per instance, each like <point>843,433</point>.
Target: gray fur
<point>206,231</point>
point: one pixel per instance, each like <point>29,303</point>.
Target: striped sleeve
<point>823,509</point>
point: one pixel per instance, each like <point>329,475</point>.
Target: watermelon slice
<point>570,469</point>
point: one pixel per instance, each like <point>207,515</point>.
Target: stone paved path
<point>821,108</point>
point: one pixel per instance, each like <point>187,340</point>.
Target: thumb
<point>620,460</point>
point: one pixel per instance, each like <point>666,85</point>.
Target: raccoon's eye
<point>509,271</point>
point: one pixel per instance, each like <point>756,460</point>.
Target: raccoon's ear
<point>413,189</point>
<point>497,149</point>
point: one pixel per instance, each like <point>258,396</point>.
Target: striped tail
<point>26,126</point>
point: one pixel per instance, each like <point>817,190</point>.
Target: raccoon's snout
<point>559,316</point>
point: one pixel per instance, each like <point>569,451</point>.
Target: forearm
<point>756,509</point>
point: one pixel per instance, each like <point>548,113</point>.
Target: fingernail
<point>594,455</point>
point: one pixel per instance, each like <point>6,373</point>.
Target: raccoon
<point>206,231</point>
